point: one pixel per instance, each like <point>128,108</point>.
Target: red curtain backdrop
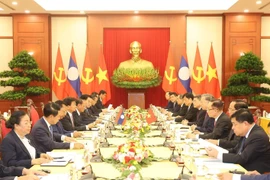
<point>155,44</point>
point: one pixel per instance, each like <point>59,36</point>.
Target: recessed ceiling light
<point>27,11</point>
<point>190,11</point>
<point>14,3</point>
<point>1,9</point>
<point>136,12</point>
<point>246,10</point>
<point>258,2</point>
<point>82,12</point>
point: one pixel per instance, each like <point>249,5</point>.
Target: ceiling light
<point>82,12</point>
<point>258,2</point>
<point>27,11</point>
<point>246,10</point>
<point>136,12</point>
<point>14,3</point>
<point>190,11</point>
<point>1,9</point>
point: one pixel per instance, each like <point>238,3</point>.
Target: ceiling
<point>128,6</point>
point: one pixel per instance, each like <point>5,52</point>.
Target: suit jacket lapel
<point>19,142</point>
<point>46,127</point>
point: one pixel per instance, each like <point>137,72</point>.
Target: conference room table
<point>199,163</point>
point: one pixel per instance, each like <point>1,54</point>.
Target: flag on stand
<point>87,77</point>
<point>183,77</point>
<point>197,79</point>
<point>73,85</point>
<point>121,119</point>
<point>150,117</point>
<point>59,77</point>
<point>170,75</point>
<point>212,82</point>
<point>102,78</point>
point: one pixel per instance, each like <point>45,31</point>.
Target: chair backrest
<point>34,116</point>
<point>4,130</point>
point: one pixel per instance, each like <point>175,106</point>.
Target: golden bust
<point>135,62</point>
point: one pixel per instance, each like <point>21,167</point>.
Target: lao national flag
<point>73,87</point>
<point>183,74</point>
<point>121,119</point>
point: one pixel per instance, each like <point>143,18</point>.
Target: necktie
<point>242,145</point>
<point>72,120</point>
<point>51,130</point>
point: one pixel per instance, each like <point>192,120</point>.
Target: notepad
<point>55,163</point>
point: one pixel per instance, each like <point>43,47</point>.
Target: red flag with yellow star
<point>211,81</point>
<point>59,77</point>
<point>197,78</point>
<point>170,75</point>
<point>87,77</point>
<point>102,78</point>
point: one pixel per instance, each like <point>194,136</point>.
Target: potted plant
<point>248,79</point>
<point>24,70</point>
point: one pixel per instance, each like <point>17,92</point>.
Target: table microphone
<point>183,176</point>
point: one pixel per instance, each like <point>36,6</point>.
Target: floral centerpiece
<point>136,121</point>
<point>130,157</point>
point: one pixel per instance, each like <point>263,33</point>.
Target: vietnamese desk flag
<point>211,81</point>
<point>87,77</point>
<point>59,77</point>
<point>102,78</point>
<point>184,77</point>
<point>73,85</point>
<point>197,79</point>
<point>170,77</point>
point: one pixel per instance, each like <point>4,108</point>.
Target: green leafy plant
<point>248,79</point>
<point>24,70</point>
<point>136,78</point>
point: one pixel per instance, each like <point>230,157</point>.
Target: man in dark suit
<point>58,127</point>
<point>252,175</point>
<point>175,107</point>
<point>208,122</point>
<point>182,107</point>
<point>42,131</point>
<point>87,115</point>
<point>200,114</point>
<point>69,122</point>
<point>222,124</point>
<point>10,173</point>
<point>167,97</point>
<point>253,150</point>
<point>231,140</point>
<point>191,113</point>
<point>102,94</point>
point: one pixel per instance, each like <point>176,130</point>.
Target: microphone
<point>183,176</point>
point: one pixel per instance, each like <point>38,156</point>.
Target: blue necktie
<point>242,145</point>
<point>51,130</point>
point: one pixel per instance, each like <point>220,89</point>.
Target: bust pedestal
<point>136,97</point>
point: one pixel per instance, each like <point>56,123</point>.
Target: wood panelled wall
<point>242,33</point>
<point>31,33</point>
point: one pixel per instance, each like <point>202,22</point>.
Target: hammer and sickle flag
<point>87,76</point>
<point>59,77</point>
<point>170,75</point>
<point>197,78</point>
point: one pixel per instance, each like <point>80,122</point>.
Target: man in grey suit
<point>42,131</point>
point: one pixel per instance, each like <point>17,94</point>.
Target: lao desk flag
<point>73,87</point>
<point>183,75</point>
<point>121,119</point>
